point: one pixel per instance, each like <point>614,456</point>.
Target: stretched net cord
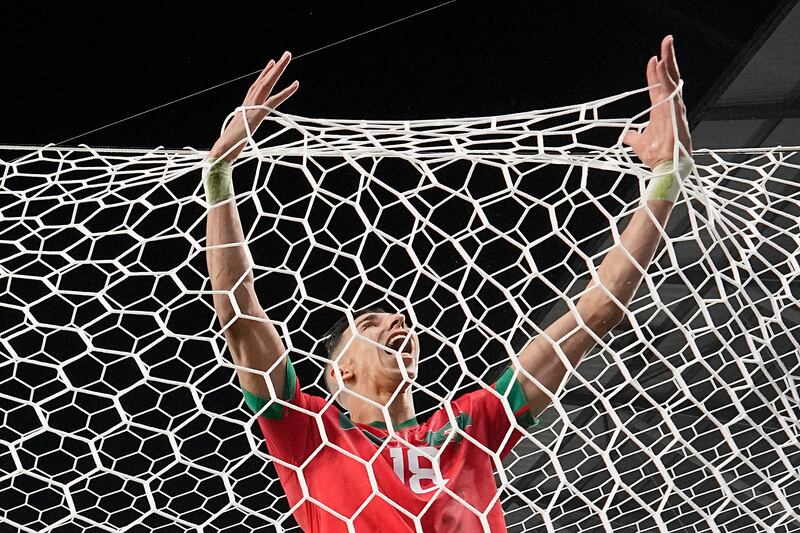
<point>217,86</point>
<point>119,399</point>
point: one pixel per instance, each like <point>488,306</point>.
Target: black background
<point>70,68</point>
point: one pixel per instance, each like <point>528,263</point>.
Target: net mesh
<point>119,404</point>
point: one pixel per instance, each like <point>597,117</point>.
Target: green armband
<point>217,180</point>
<point>666,182</point>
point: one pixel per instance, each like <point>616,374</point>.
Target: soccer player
<point>351,467</point>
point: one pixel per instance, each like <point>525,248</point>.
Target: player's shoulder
<point>487,396</point>
<point>463,405</point>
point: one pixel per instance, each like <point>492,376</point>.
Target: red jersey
<point>336,474</point>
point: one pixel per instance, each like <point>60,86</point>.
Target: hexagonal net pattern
<point>120,406</point>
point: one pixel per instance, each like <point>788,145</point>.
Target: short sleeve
<point>291,435</point>
<point>492,415</point>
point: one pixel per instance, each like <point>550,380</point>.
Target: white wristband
<point>666,182</point>
<point>217,180</point>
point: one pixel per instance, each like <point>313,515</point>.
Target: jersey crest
<point>437,438</point>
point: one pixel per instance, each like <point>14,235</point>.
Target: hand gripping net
<point>118,402</point>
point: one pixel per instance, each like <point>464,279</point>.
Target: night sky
<point>70,68</point>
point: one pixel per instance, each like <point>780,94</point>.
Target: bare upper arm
<point>255,344</point>
<point>540,358</point>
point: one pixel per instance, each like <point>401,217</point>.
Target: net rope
<point>119,402</point>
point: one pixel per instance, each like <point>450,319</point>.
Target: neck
<point>400,410</point>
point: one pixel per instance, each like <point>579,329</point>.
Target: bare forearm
<point>598,312</point>
<point>623,268</point>
<point>602,305</point>
<point>228,266</point>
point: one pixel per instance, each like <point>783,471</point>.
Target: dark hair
<point>334,336</point>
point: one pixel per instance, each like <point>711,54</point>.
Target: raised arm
<point>619,276</point>
<point>254,343</point>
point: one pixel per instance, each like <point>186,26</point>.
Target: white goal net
<point>119,407</point>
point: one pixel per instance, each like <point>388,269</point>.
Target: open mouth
<point>401,342</point>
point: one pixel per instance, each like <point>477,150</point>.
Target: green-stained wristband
<point>217,180</point>
<point>666,183</point>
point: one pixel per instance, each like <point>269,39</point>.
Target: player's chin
<point>411,372</point>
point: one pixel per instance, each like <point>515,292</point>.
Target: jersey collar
<point>382,425</point>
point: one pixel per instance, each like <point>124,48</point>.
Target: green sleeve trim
<point>516,398</point>
<point>380,424</point>
<point>273,410</point>
<point>255,403</point>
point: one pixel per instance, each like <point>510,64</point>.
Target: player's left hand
<point>656,143</point>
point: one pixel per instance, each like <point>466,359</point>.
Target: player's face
<point>383,344</point>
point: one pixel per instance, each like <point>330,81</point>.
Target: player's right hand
<point>258,95</point>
